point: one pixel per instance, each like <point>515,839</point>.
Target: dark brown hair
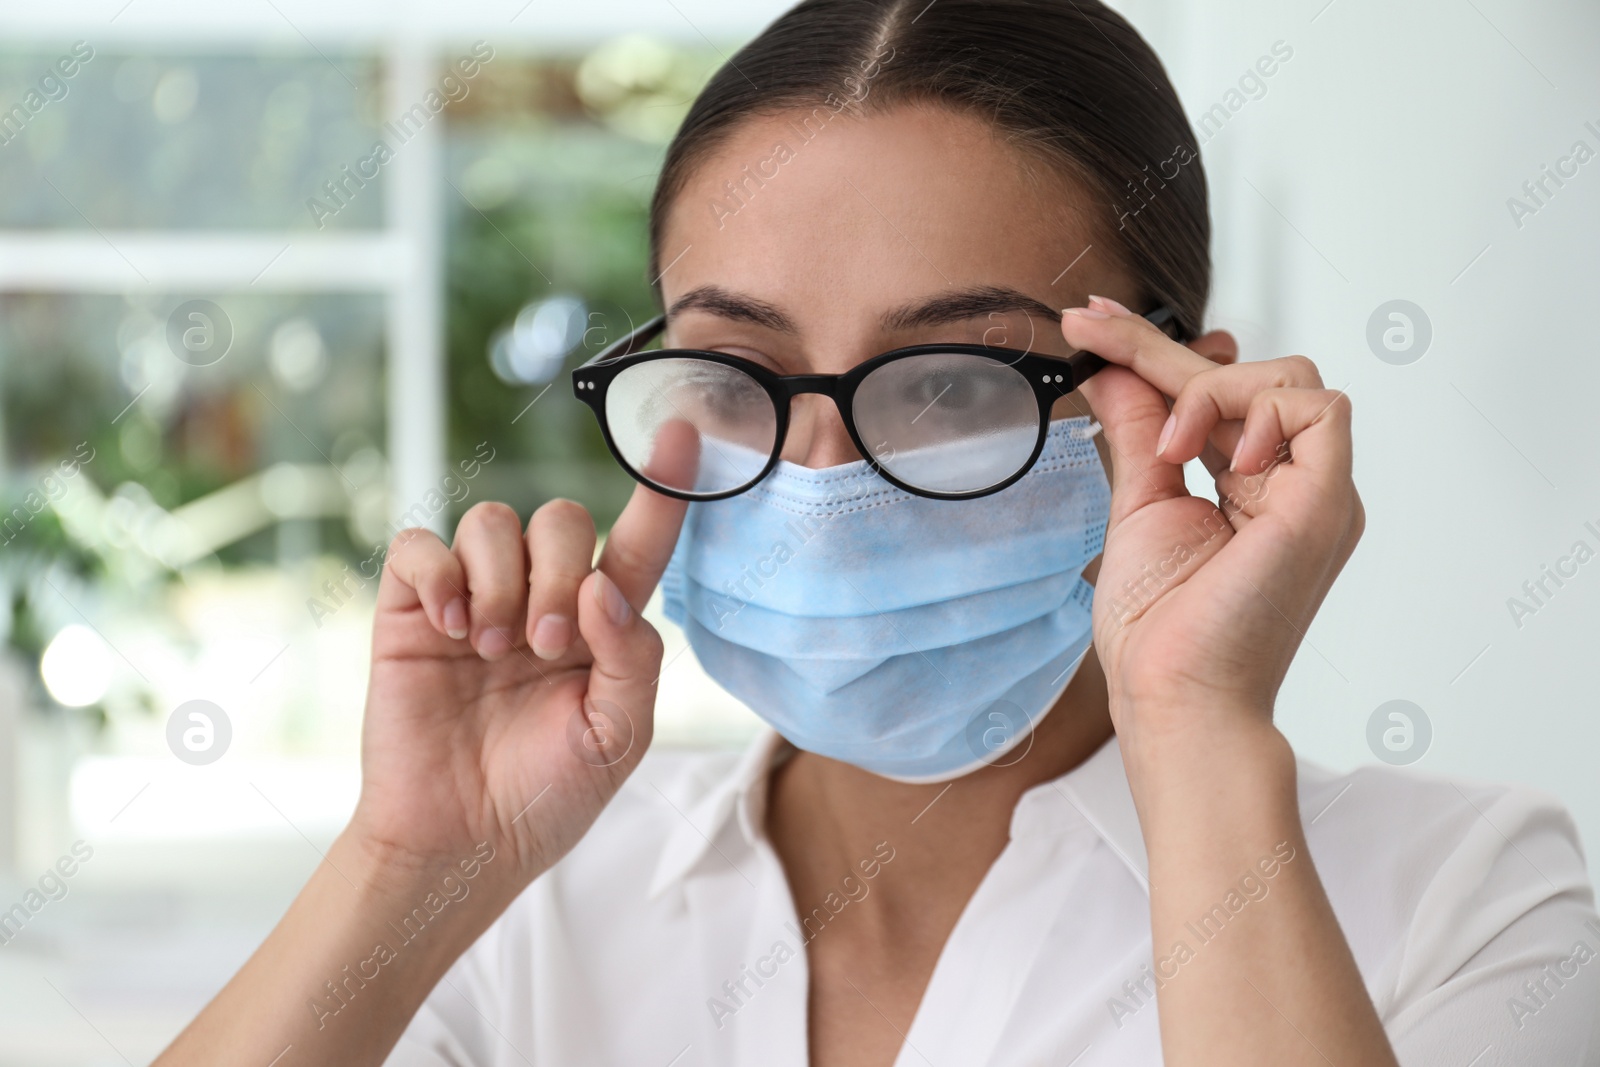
<point>1067,81</point>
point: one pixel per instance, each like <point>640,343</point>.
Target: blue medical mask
<point>918,639</point>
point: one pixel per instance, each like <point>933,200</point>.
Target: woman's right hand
<point>471,737</point>
<point>513,685</point>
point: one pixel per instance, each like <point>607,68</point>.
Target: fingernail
<point>1110,305</point>
<point>609,597</point>
<point>1233,461</point>
<point>1166,434</point>
<point>493,643</point>
<point>455,618</point>
<point>1086,313</point>
<point>552,636</point>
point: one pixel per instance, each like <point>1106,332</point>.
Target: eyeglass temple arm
<point>1086,364</point>
<point>630,344</point>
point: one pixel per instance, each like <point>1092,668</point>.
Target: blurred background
<point>239,348</point>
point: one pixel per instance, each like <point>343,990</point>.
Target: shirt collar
<point>1095,792</point>
<point>739,798</point>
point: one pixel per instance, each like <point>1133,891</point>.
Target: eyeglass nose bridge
<point>827,384</point>
<point>836,387</point>
<point>839,388</point>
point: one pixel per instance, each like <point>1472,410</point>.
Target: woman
<point>971,836</point>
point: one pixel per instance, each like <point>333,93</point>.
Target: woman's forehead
<point>876,209</point>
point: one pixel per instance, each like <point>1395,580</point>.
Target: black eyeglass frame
<point>1052,377</point>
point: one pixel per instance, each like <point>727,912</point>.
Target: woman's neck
<point>828,820</point>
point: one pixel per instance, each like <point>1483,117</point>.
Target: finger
<point>1215,459</point>
<point>641,543</point>
<point>1214,398</point>
<point>421,572</point>
<point>1243,496</point>
<point>1310,427</point>
<point>675,455</point>
<point>561,553</point>
<point>489,545</point>
<point>1135,343</point>
<point>1132,413</point>
<point>627,663</point>
<point>1234,499</point>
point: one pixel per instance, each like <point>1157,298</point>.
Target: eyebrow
<point>729,305</point>
<point>966,304</point>
<point>940,310</point>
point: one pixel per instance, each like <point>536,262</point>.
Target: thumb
<point>1133,412</point>
<point>641,541</point>
<point>620,705</point>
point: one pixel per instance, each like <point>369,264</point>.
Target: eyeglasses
<point>947,421</point>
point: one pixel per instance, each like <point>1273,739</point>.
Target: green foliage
<point>575,223</point>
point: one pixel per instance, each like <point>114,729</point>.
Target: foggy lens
<point>948,422</point>
<point>692,425</point>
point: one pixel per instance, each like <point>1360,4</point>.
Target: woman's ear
<point>1219,346</point>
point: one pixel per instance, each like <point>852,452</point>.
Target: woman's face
<point>910,226</point>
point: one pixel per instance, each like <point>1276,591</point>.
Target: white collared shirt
<point>668,937</point>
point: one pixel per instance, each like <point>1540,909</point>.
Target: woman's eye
<point>729,402</point>
<point>950,391</point>
<point>727,398</point>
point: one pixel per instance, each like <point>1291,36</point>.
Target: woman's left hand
<point>1198,609</point>
<point>1200,606</point>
